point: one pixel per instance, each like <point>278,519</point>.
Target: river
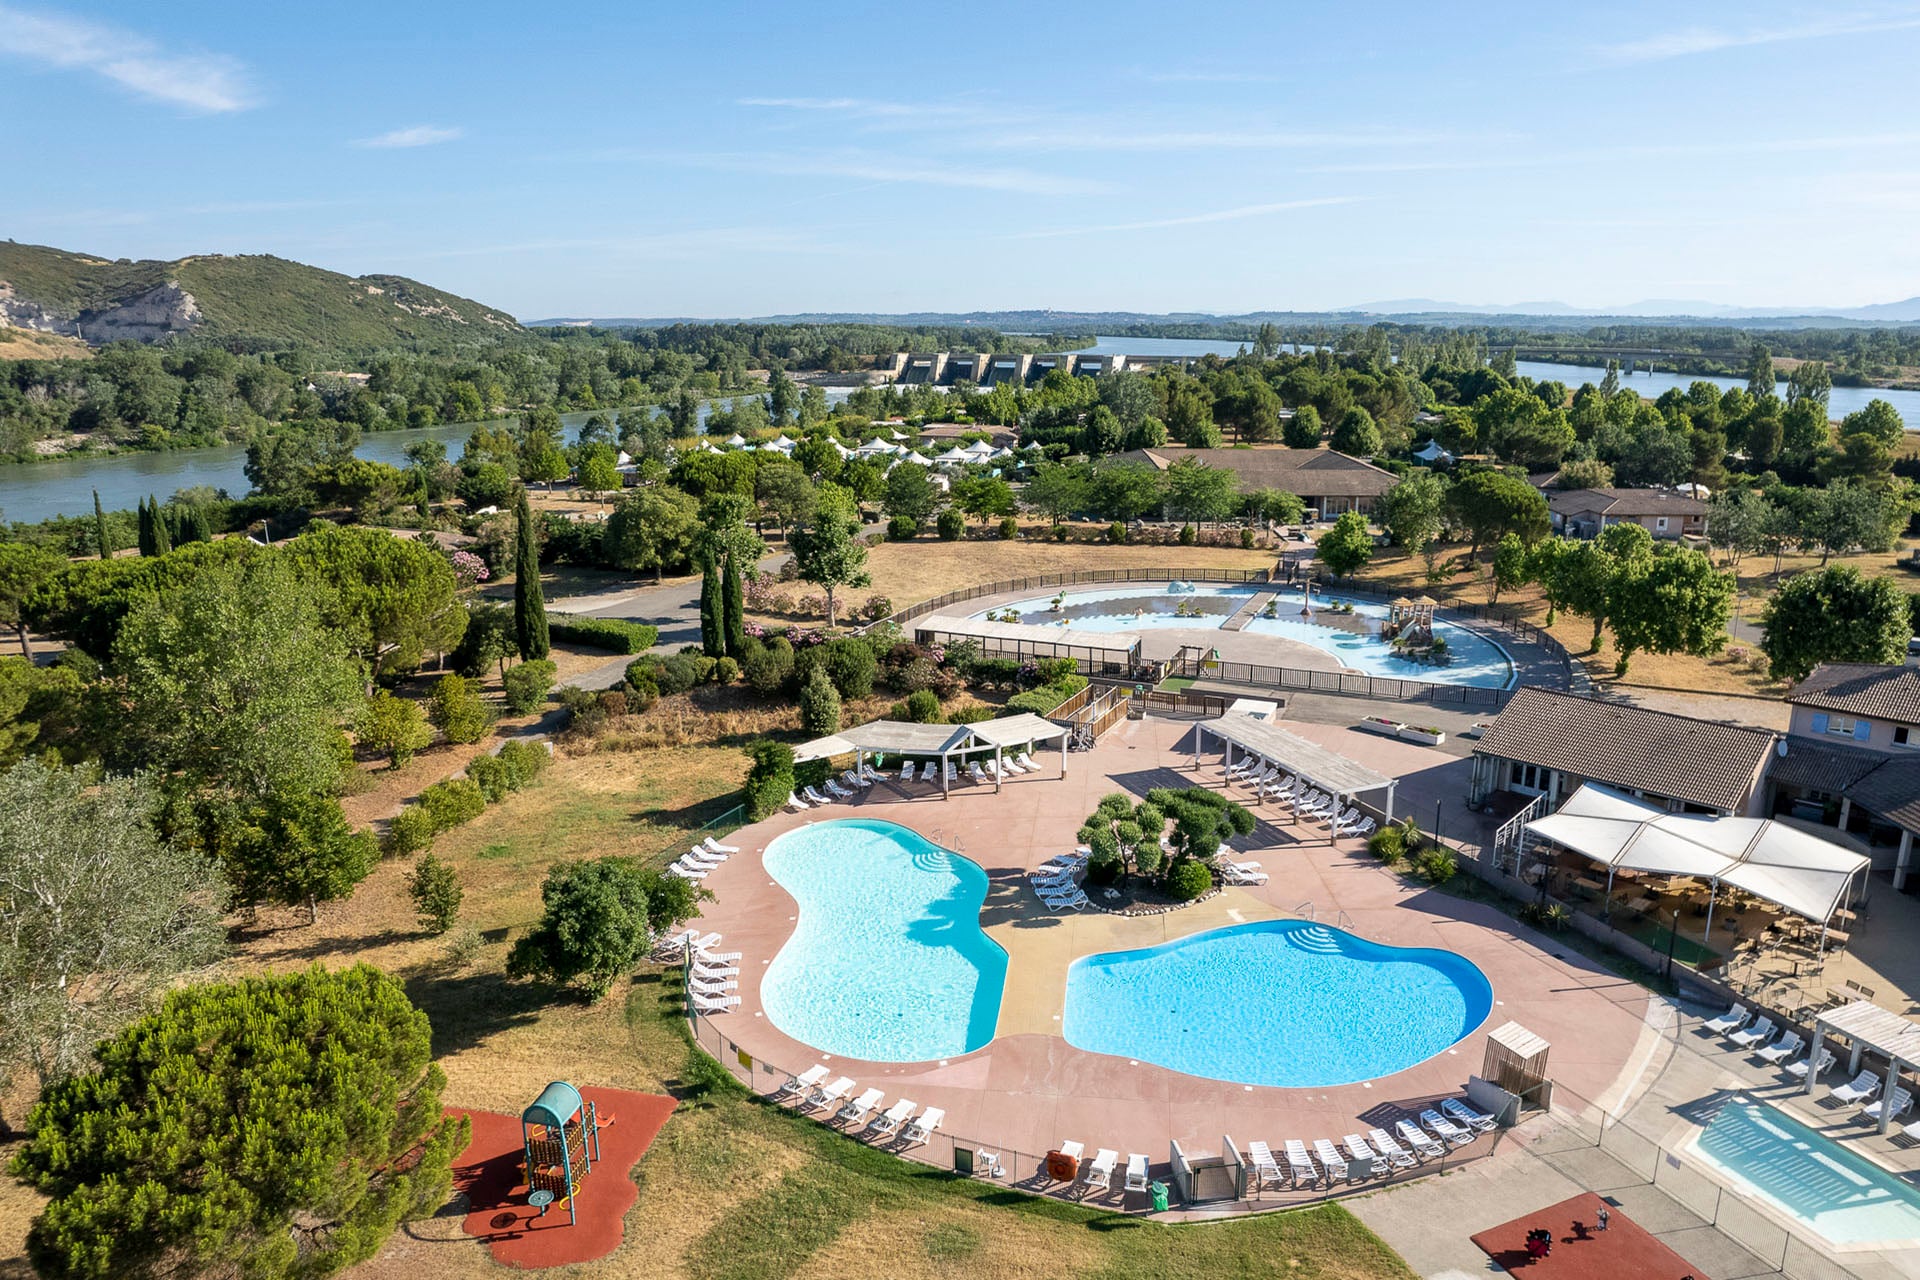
<point>1842,401</point>
<point>33,491</point>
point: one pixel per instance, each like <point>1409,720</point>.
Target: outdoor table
<point>1640,904</point>
<point>1588,882</point>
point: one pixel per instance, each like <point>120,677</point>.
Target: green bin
<point>1159,1192</point>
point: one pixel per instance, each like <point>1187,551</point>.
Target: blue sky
<point>733,159</point>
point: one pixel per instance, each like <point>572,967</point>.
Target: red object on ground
<point>489,1172</point>
<point>1623,1249</point>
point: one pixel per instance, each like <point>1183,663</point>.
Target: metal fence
<point>1351,684</point>
<point>1026,1171</point>
<point>1075,578</point>
<point>1610,1149</point>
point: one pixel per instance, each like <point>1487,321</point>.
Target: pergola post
<point>1886,1093</point>
<point>1611,868</point>
<point>946,779</point>
<point>1901,862</point>
<point>1713,892</point>
<point>1813,1055</point>
<point>1390,787</point>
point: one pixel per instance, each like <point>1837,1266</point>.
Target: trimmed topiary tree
<point>769,777</point>
<point>435,890</point>
<point>819,704</point>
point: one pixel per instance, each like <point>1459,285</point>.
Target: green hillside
<point>255,299</point>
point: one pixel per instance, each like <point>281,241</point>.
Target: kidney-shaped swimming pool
<point>1283,1002</point>
<point>887,962</point>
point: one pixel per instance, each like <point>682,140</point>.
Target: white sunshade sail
<point>1783,864</point>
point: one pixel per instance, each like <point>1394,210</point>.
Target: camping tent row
<point>1098,650</point>
<point>1332,772</point>
<point>942,742</point>
<point>1785,865</point>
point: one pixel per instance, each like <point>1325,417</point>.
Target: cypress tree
<point>100,528</point>
<point>733,598</point>
<point>529,606</point>
<point>162,534</point>
<point>713,639</point>
<point>198,526</point>
<point>143,528</point>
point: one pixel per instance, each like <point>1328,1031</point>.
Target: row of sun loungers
<point>848,785</point>
<point>697,862</point>
<point>861,1114</point>
<point>1867,1090</point>
<point>713,975</point>
<point>1285,789</point>
<point>1097,1174</point>
<point>1377,1153</point>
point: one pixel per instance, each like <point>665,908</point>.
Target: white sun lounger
<point>716,847</point>
<point>906,772</point>
<point>1136,1172</point>
<point>706,942</point>
<point>1265,1168</point>
<point>1732,1020</point>
<point>922,1129</point>
<point>953,774</point>
<point>795,803</point>
<point>815,798</point>
<point>1078,901</point>
<point>829,1095</point>
<point>1247,765</point>
<point>835,790</point>
<point>688,871</point>
<point>1362,1157</point>
<point>1478,1121</point>
<point>1233,874</point>
<point>975,772</point>
<point>1754,1036</point>
<point>801,1083</point>
<point>1026,762</point>
<point>704,856</point>
<point>1395,1154</point>
<point>1438,1125</point>
<point>712,989</point>
<point>675,945</point>
<point>711,969</point>
<point>1859,1089</point>
<point>857,1111</point>
<point>1798,1067</point>
<point>1099,1173</point>
<point>1423,1144</point>
<point>1330,1159</point>
<point>712,1004</point>
<point>1299,1168</point>
<point>1901,1104</point>
<point>1780,1050</point>
<point>889,1121</point>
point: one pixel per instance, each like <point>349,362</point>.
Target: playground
<point>1568,1241</point>
<point>552,1186</point>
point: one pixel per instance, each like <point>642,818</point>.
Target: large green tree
<point>1491,504</point>
<point>529,604</point>
<point>98,911</point>
<point>1834,615</point>
<point>24,571</point>
<point>391,601</point>
<point>1347,546</point>
<point>599,919</point>
<point>1198,492</point>
<point>652,528</point>
<point>273,1127</point>
<point>1414,511</point>
<point>1672,601</point>
<point>294,848</point>
<point>828,554</point>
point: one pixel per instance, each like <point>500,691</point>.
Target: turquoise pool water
<point>1842,1196</point>
<point>1150,606</point>
<point>1284,1002</point>
<point>887,961</point>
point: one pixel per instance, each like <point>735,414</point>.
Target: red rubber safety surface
<point>489,1173</point>
<point>1620,1252</point>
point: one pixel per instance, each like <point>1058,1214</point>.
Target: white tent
<point>735,440</point>
<point>1785,865</point>
<point>953,458</point>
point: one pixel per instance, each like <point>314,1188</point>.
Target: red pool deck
<point>489,1174</point>
<point>1028,1090</point>
<point>1623,1250</point>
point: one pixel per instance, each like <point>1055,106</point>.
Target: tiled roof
<point>1627,502</point>
<point>1892,791</point>
<point>1821,766</point>
<point>1862,689</point>
<point>1305,472</point>
<point>1700,761</point>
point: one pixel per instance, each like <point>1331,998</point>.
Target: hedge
<point>614,634</point>
<point>1043,699</point>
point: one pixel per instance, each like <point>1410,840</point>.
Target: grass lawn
<point>733,1188</point>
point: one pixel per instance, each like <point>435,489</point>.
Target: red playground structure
<point>561,1135</point>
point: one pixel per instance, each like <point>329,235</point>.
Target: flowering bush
<point>468,569</point>
<point>812,602</point>
<point>876,608</point>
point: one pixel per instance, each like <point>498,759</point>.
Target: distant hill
<point>251,298</point>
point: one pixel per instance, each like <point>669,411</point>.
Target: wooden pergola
<point>944,742</point>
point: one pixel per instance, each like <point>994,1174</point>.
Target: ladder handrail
<point>1306,909</point>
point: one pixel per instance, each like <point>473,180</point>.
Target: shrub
<point>1116,532</point>
<point>410,831</point>
<point>1246,539</point>
<point>458,711</point>
<point>615,634</point>
<point>524,761</point>
<point>395,725</point>
<point>876,608</point>
<point>1009,528</point>
<point>1061,533</point>
<point>1187,535</point>
<point>923,707</point>
<point>435,890</point>
<point>453,802</point>
<point>1188,881</point>
<point>725,670</point>
<point>850,665</point>
<point>492,777</point>
<point>903,529</point>
<point>819,705</point>
<point>768,665</point>
<point>595,926</point>
<point>1105,865</point>
<point>683,671</point>
<point>950,525</point>
<point>613,701</point>
<point>972,715</point>
<point>1389,844</point>
<point>526,686</point>
<point>769,777</point>
<point>1435,865</point>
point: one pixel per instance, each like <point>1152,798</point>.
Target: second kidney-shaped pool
<point>1287,1003</point>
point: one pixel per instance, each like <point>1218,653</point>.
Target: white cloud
<point>197,81</point>
<point>1688,41</point>
<point>1187,220</point>
<point>419,135</point>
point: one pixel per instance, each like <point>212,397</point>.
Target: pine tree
<point>713,638</point>
<point>733,599</point>
<point>100,528</point>
<point>529,606</point>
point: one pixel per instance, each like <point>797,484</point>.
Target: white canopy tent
<point>1785,865</point>
<point>1327,769</point>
